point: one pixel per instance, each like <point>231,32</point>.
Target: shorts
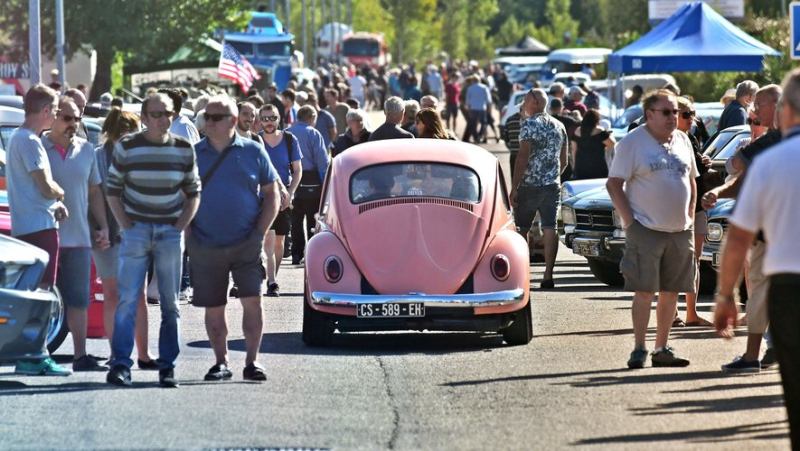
<point>75,271</point>
<point>758,286</point>
<point>282,224</point>
<point>658,261</point>
<point>452,110</point>
<point>47,240</point>
<point>701,223</point>
<point>106,262</point>
<point>211,267</point>
<point>531,199</point>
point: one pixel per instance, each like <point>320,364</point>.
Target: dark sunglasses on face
<point>269,118</point>
<point>215,117</point>
<point>160,114</point>
<point>751,121</point>
<point>67,118</point>
<point>666,112</point>
<point>687,114</point>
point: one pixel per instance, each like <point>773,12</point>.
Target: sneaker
<point>667,357</point>
<point>218,372</point>
<point>740,365</point>
<point>166,378</point>
<point>147,365</point>
<point>46,367</point>
<point>254,372</point>
<point>272,290</point>
<point>769,360</point>
<point>638,358</point>
<point>87,363</point>
<point>120,375</point>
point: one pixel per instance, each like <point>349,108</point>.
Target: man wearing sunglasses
<point>154,192</point>
<point>656,164</point>
<point>228,231</point>
<point>72,160</point>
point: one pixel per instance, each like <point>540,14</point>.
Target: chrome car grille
<point>598,220</point>
<point>415,200</point>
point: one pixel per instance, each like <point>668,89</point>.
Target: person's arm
<point>98,210</point>
<point>728,190</point>
<point>620,200</point>
<point>297,175</point>
<point>321,159</point>
<point>563,157</point>
<point>726,310</point>
<point>118,210</point>
<point>693,197</point>
<point>332,132</point>
<point>190,207</point>
<point>269,206</point>
<point>574,153</point>
<point>519,169</point>
<point>47,186</point>
<point>609,142</point>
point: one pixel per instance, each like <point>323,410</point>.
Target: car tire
<point>606,272</point>
<point>58,329</point>
<point>520,332</point>
<point>317,328</point>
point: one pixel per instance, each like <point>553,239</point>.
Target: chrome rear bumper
<point>497,298</point>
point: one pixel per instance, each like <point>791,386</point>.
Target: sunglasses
<point>67,118</point>
<point>269,118</point>
<point>160,114</point>
<point>666,112</point>
<point>215,117</point>
<point>751,121</point>
<point>687,114</point>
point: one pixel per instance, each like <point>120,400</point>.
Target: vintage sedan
<point>416,235</point>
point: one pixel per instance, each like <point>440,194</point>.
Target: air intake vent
<point>415,200</point>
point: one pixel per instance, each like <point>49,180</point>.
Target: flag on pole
<point>234,66</point>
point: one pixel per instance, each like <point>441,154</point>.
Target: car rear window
<point>415,179</point>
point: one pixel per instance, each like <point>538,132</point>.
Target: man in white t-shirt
<point>768,202</point>
<point>657,166</point>
<point>357,84</point>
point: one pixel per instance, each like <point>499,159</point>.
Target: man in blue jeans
<point>154,192</point>
<point>478,100</point>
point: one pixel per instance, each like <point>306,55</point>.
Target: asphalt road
<point>568,388</point>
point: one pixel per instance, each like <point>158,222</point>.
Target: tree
<point>454,27</point>
<point>410,19</point>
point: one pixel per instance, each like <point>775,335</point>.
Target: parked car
<point>27,313</point>
<point>416,235</point>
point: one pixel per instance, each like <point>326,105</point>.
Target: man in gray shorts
<point>657,165</point>
<point>542,158</point>
<point>227,233</point>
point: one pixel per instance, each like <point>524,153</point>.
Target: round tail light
<point>500,267</point>
<point>333,269</point>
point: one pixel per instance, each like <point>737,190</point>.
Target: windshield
<point>630,115</point>
<point>737,142</point>
<point>718,142</point>
<point>262,22</point>
<point>361,47</point>
<point>414,179</point>
<point>270,49</point>
<point>245,48</point>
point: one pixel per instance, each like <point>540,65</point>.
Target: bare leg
<point>78,319</point>
<point>550,252</point>
<point>665,314</point>
<point>640,312</point>
<point>753,346</point>
<point>279,240</point>
<point>217,329</point>
<point>253,326</point>
<point>269,249</point>
<point>691,298</point>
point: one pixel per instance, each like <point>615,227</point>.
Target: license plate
<point>716,259</point>
<point>391,310</point>
<point>586,248</point>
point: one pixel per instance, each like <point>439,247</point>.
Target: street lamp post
<point>34,42</point>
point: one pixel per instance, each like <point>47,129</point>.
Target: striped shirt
<point>152,179</point>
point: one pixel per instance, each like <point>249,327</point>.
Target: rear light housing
<point>500,267</point>
<point>333,269</point>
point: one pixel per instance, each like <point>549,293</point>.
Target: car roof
<point>11,116</point>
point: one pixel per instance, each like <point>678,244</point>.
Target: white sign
<point>658,10</point>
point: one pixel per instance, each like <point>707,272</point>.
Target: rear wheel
<point>317,329</point>
<point>520,332</point>
<point>606,272</point>
<point>58,329</point>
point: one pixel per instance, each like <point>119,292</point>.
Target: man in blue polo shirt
<point>228,231</point>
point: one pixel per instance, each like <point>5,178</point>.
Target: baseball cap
<point>575,90</point>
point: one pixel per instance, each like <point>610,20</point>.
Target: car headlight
<point>566,193</point>
<point>10,274</point>
<point>715,232</point>
<point>568,215</point>
<point>617,219</point>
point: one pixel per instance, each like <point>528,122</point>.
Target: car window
<point>630,115</point>
<point>414,179</point>
<point>717,142</point>
<point>739,140</point>
<point>5,134</point>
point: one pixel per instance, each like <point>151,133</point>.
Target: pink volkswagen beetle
<point>416,235</point>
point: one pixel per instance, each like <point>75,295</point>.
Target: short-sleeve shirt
<point>74,173</point>
<point>30,211</point>
<point>547,136</point>
<point>339,113</point>
<point>658,179</point>
<point>315,156</point>
<point>185,128</point>
<point>324,123</point>
<point>230,204</point>
<point>773,177</point>
<point>279,156</point>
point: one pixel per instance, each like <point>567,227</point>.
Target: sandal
<point>254,372</point>
<point>678,322</point>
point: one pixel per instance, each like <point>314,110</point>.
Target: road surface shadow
<point>761,431</point>
<point>726,387</point>
<point>731,404</point>
<point>371,343</point>
<point>593,333</point>
<point>603,378</point>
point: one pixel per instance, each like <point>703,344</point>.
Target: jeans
<point>163,245</point>
<point>784,316</point>
<point>477,117</point>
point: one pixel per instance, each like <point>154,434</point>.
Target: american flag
<point>234,66</point>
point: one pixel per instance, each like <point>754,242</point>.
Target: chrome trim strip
<point>492,299</point>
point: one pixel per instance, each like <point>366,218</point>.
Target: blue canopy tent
<point>696,38</point>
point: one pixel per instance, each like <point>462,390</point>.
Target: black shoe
<point>147,365</point>
<point>547,284</point>
<point>296,260</point>
<point>97,358</point>
<point>667,357</point>
<point>86,363</point>
<point>152,301</point>
<point>119,375</point>
<point>273,290</point>
<point>218,372</point>
<point>537,258</point>
<point>769,360</point>
<point>166,378</point>
<point>254,372</point>
<point>234,292</point>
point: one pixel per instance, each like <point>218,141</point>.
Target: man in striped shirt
<point>154,192</point>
